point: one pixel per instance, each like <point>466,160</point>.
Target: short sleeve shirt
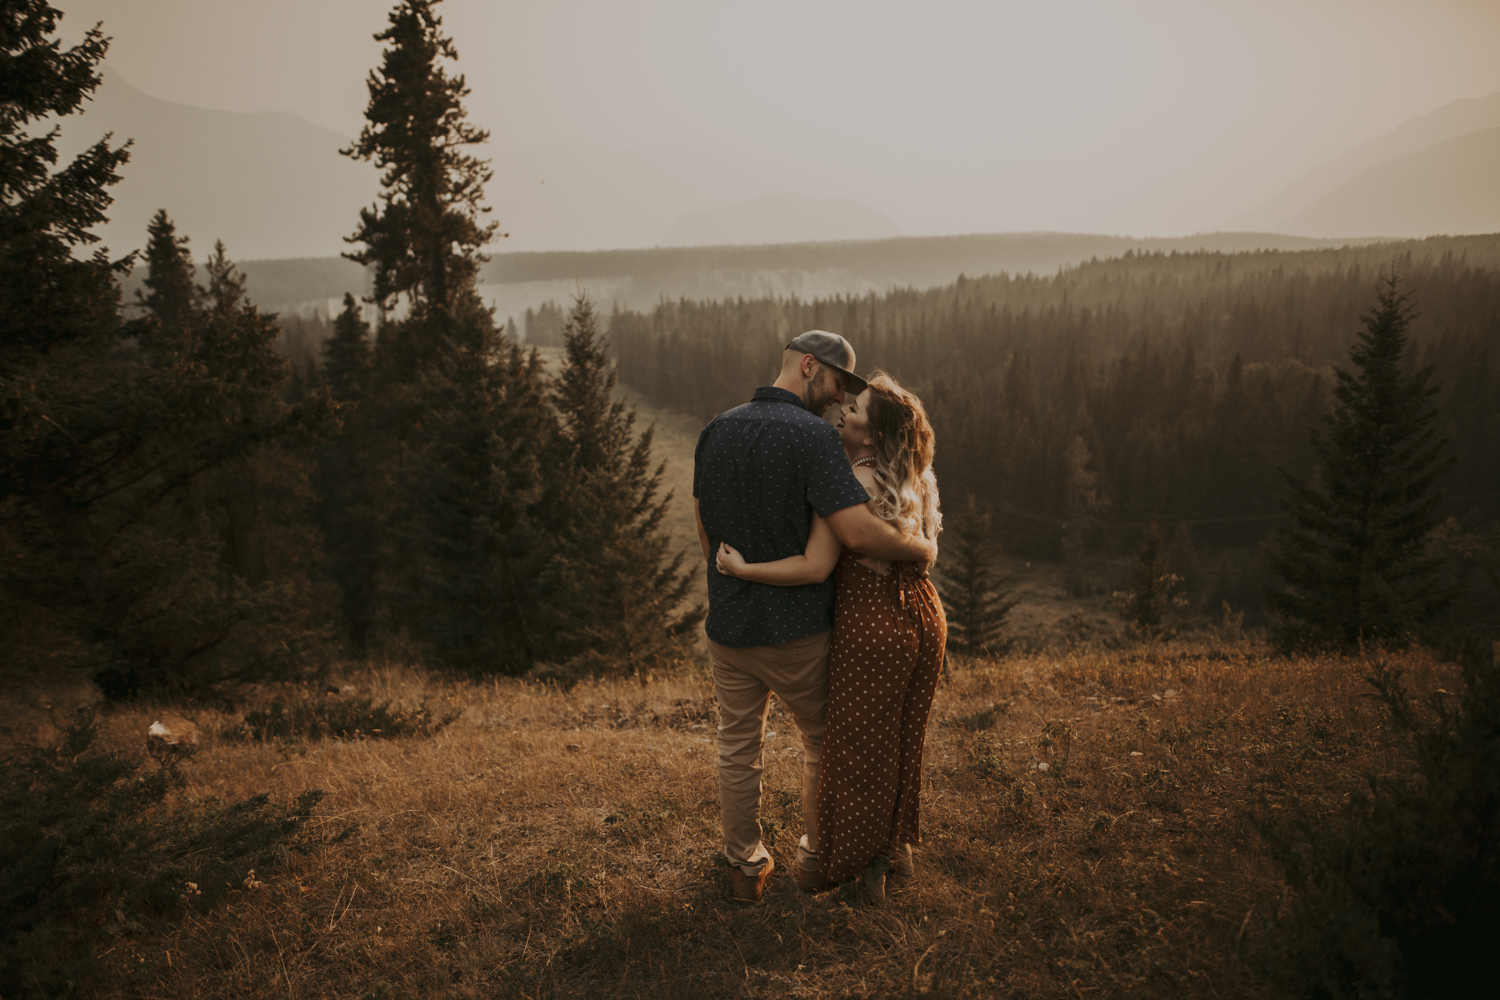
<point>759,472</point>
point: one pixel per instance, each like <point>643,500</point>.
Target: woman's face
<point>854,423</point>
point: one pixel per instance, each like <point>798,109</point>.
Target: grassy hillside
<point>1090,830</point>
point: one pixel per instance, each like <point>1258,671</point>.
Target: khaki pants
<point>743,680</point>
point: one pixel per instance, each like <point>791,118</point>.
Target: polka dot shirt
<point>759,472</point>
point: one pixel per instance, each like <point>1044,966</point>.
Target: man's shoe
<point>874,880</point>
<point>748,888</point>
<point>901,861</point>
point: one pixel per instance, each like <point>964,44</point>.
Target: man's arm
<point>862,530</point>
<point>702,534</point>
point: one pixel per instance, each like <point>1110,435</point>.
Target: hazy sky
<point>1148,117</point>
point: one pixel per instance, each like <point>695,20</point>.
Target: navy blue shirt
<point>759,472</point>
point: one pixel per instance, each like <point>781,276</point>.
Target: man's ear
<point>809,366</point>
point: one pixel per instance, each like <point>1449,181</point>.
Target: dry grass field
<point>1090,830</point>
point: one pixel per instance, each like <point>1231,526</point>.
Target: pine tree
<point>131,532</point>
<point>49,297</point>
<point>621,591</point>
<point>460,417</point>
<point>1145,604</point>
<point>346,355</point>
<point>1354,565</point>
<point>423,240</point>
<point>973,598</point>
<point>344,478</point>
<point>172,296</point>
<point>468,525</point>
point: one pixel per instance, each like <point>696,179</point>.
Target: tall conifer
<point>1355,565</point>
<point>47,295</point>
<point>423,240</point>
<point>468,527</point>
<point>344,478</point>
<point>171,296</point>
<point>129,542</point>
<point>620,589</point>
<point>462,414</point>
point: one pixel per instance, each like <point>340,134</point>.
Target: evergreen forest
<point>184,509</point>
<point>1079,406</point>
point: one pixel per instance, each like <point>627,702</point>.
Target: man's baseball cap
<point>833,351</point>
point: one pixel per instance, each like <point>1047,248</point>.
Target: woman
<point>887,646</point>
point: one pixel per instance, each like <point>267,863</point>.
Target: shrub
<point>90,849</point>
<point>1401,896</point>
<point>338,718</point>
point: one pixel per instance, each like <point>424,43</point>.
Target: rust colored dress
<point>884,660</point>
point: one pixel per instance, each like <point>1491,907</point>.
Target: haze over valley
<point>695,128</point>
<point>274,187</point>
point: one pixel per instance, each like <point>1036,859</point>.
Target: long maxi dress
<point>884,660</point>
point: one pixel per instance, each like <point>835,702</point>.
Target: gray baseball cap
<point>833,351</point>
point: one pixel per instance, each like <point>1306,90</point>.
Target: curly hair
<point>906,489</point>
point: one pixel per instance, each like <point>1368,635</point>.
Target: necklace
<point>867,460</point>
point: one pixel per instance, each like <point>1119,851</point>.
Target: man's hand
<point>860,529</point>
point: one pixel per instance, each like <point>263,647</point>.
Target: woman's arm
<point>812,566</point>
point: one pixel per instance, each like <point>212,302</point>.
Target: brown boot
<point>874,880</point>
<point>901,861</point>
<point>811,880</point>
<point>748,888</point>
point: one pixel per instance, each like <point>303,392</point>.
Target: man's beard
<point>821,392</point>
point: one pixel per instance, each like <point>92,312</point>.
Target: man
<point>760,470</point>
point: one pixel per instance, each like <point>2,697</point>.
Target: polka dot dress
<point>883,665</point>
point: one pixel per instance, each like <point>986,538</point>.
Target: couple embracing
<point>818,515</point>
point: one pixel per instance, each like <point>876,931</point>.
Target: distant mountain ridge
<point>589,195</point>
<point>638,278</point>
<point>1451,121</point>
<point>268,184</point>
<point>780,218</point>
<point>1452,187</point>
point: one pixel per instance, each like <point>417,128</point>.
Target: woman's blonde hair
<point>906,489</point>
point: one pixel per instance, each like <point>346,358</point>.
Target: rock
<point>171,740</point>
<point>173,731</point>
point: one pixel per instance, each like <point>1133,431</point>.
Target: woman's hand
<point>729,561</point>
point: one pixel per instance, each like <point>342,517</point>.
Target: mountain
<point>268,185</point>
<point>273,185</point>
<point>591,196</point>
<point>1452,187</point>
<point>780,218</point>
<point>1459,118</point>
